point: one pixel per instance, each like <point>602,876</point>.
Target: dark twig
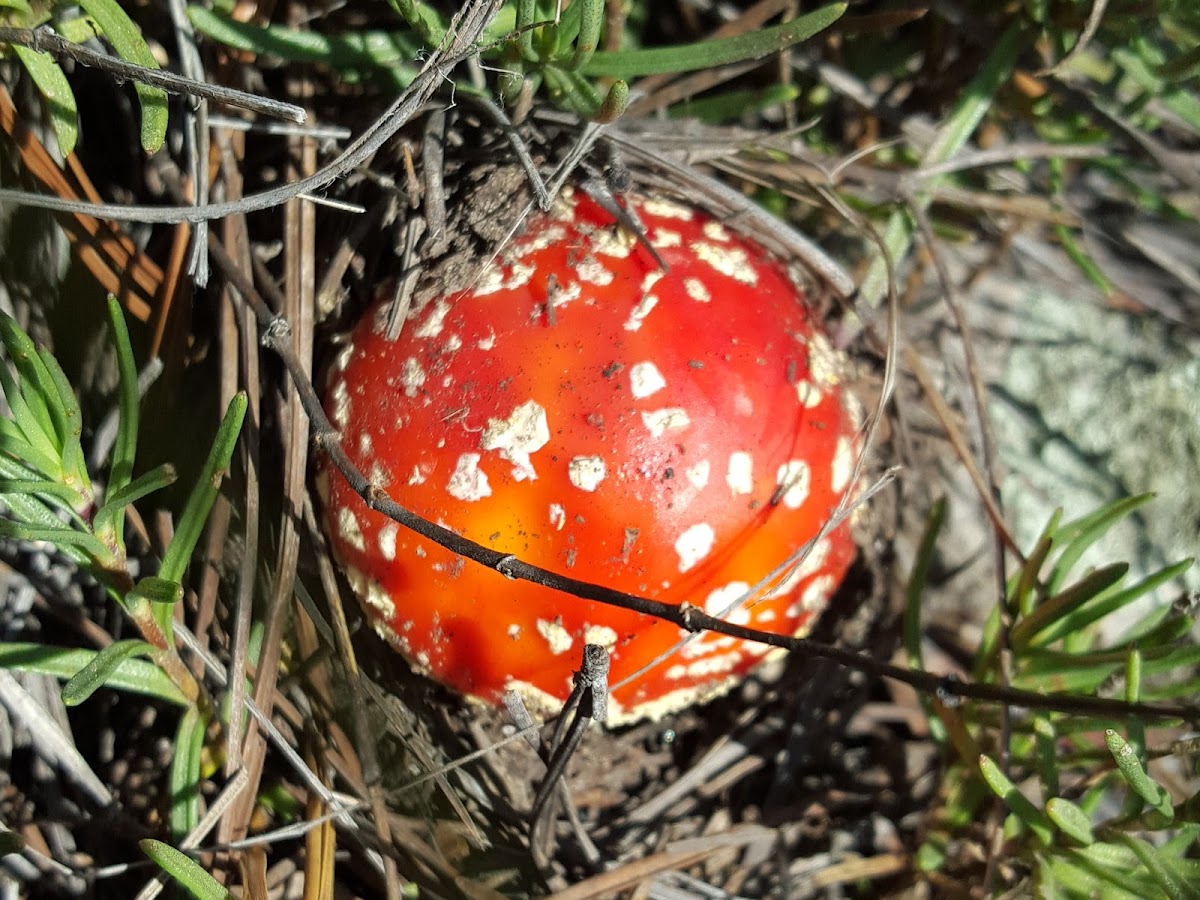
<point>45,40</point>
<point>588,700</point>
<point>520,150</point>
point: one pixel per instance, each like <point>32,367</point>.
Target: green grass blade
<point>628,64</point>
<point>96,674</point>
<point>52,84</point>
<point>136,676</point>
<point>978,97</point>
<point>733,105</point>
<point>126,39</point>
<point>185,871</point>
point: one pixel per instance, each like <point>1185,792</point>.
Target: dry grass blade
<point>110,255</point>
<point>55,746</point>
<point>633,874</point>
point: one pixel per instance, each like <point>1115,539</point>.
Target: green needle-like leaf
<point>52,84</point>
<point>204,495</point>
<point>1076,537</point>
<point>56,489</point>
<point>28,396</point>
<point>20,459</point>
<point>96,674</point>
<point>1098,607</point>
<point>32,511</point>
<point>1023,598</point>
<point>62,536</point>
<point>591,23</point>
<point>345,51</point>
<point>185,773</point>
<point>1165,870</point>
<point>717,52</point>
<point>158,590</point>
<point>126,39</point>
<point>1070,819</point>
<point>572,91</point>
<point>109,517</point>
<point>1142,784</point>
<point>615,102</point>
<point>136,676</point>
<point>423,19</point>
<point>124,451</point>
<point>70,423</point>
<point>1077,874</point>
<point>185,870</point>
<point>526,16</point>
<point>1087,588</point>
<point>1017,803</point>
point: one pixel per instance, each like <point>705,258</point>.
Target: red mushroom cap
<point>675,435</point>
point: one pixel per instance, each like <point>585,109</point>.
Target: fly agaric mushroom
<point>673,434</point>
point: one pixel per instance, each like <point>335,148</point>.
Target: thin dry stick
<point>987,453</point>
<point>44,40</point>
<point>1090,27</point>
<point>364,746</point>
<point>238,353</point>
<point>959,443</point>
